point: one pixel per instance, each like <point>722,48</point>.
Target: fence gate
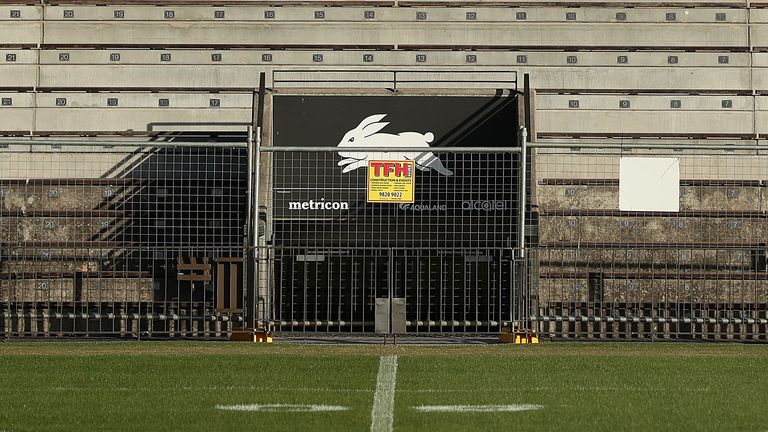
<point>333,259</point>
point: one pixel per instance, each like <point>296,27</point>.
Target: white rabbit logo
<point>364,135</point>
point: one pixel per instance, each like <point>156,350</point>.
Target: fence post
<point>247,268</point>
<point>255,222</point>
<point>521,269</point>
<point>522,137</point>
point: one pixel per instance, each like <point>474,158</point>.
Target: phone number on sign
<point>391,194</point>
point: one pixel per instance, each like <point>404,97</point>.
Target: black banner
<point>320,197</point>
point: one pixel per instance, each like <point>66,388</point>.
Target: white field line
<point>382,413</point>
<point>282,408</point>
<point>358,390</point>
<point>278,389</point>
<point>476,408</point>
<point>548,389</point>
<point>212,388</point>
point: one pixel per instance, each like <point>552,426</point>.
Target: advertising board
<point>349,195</point>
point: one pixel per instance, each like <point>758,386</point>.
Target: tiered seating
<point>671,272</point>
<point>703,116</point>
<point>187,66</point>
<point>60,240</point>
<point>601,70</point>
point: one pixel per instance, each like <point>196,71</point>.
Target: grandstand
<point>100,211</point>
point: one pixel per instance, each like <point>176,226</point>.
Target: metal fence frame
<point>257,308</point>
<point>266,318</point>
<point>660,320</point>
<point>155,317</point>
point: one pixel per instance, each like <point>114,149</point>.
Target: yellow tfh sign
<point>391,181</point>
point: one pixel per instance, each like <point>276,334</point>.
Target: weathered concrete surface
<point>87,253</point>
<point>48,266</point>
<point>26,198</point>
<point>141,119</point>
<point>21,75</point>
<point>19,32</point>
<point>614,122</point>
<point>97,290</point>
<point>354,11</point>
<point>37,290</point>
<point>17,162</point>
<point>643,260</point>
<point>553,290</point>
<point>118,290</point>
<point>396,33</point>
<point>53,229</point>
<point>720,198</point>
<point>706,165</point>
<point>611,229</point>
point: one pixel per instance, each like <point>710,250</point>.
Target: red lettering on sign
<point>399,169</point>
<point>402,170</point>
<point>376,168</point>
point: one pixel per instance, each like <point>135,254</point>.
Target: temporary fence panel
<point>390,213</point>
<point>149,239</point>
<point>446,259</point>
<point>676,250</point>
<point>122,238</point>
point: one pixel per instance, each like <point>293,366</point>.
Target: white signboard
<point>649,184</point>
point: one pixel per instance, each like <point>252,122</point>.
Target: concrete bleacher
<point>59,242</point>
<point>648,54</point>
<point>671,71</point>
<point>706,261</point>
<point>706,116</point>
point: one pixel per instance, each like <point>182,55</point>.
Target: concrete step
<point>694,194</point>
<point>66,194</point>
<point>51,265</point>
<point>94,287</point>
<point>120,290</point>
<point>73,226</point>
<point>622,287</point>
<point>610,227</point>
<point>64,250</point>
<point>38,290</point>
<point>741,259</point>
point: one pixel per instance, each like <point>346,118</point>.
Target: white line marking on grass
<point>382,413</point>
<point>476,408</point>
<point>281,389</point>
<point>540,389</point>
<point>282,408</point>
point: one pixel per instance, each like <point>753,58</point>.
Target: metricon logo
<point>318,205</point>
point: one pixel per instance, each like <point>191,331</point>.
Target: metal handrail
<point>648,146</point>
<point>394,80</point>
<point>394,149</point>
<point>123,143</point>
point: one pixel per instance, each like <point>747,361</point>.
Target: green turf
<point>154,386</point>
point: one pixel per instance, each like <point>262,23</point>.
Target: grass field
<point>157,386</point>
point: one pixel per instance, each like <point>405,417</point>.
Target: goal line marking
<point>382,413</point>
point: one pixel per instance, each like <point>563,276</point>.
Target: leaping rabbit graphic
<point>364,135</point>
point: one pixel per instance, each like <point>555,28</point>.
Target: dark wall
<point>463,199</point>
